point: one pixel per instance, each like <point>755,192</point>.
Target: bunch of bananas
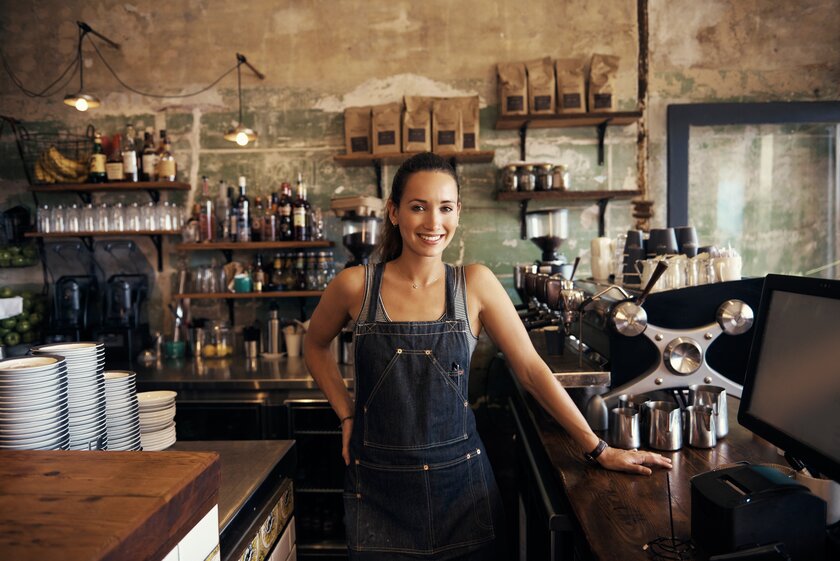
<point>54,167</point>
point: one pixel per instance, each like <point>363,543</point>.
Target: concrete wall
<point>320,57</point>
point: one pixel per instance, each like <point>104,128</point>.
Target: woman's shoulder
<point>478,278</point>
<point>350,281</point>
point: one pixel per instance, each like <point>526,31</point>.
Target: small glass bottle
<point>544,179</point>
<point>130,165</point>
<point>167,167</point>
<point>96,166</point>
<point>509,180</point>
<point>561,177</point>
<point>525,177</point>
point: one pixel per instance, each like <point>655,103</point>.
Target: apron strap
<point>450,292</point>
<point>373,294</point>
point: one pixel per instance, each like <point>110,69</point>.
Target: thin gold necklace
<point>415,284</point>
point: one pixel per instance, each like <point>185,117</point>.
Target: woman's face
<point>428,213</point>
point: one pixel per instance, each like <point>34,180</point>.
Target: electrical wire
<point>161,96</point>
<point>76,63</point>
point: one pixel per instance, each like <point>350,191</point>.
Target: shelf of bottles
<point>110,187</point>
<point>248,295</point>
<point>101,234</point>
<point>250,246</point>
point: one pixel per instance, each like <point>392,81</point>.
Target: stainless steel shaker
<point>275,335</point>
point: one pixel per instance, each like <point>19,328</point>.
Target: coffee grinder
<point>548,229</point>
<point>361,226</point>
<point>74,308</point>
<point>123,330</point>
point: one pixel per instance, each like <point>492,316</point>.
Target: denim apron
<point>419,485</point>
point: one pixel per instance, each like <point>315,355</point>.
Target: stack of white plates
<point>122,410</point>
<point>33,403</point>
<point>85,392</point>
<point>157,419</point>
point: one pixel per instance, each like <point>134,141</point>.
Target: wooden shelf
<point>245,246</point>
<point>621,118</point>
<point>248,295</point>
<point>566,195</point>
<point>111,234</point>
<point>117,186</point>
<point>466,157</point>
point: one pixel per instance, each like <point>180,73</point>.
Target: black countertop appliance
<point>748,506</point>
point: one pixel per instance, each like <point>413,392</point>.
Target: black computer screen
<point>792,386</point>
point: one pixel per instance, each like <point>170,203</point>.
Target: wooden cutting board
<point>90,506</point>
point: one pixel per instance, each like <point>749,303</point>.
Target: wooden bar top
<point>91,506</point>
<point>619,513</point>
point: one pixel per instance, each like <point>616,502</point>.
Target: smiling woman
<point>419,484</point>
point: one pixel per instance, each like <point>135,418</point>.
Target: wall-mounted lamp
<point>80,100</point>
<point>241,134</point>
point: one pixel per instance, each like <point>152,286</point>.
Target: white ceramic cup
<point>826,489</point>
<point>293,341</point>
<point>601,252</point>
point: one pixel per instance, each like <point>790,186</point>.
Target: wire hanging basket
<point>52,158</point>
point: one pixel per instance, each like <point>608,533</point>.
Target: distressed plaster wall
<point>320,57</point>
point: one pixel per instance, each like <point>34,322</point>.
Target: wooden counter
<point>91,506</point>
<point>616,514</point>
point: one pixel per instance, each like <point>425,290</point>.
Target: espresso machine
<point>361,225</point>
<point>75,308</point>
<point>122,328</point>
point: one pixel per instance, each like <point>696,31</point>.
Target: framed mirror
<point>762,178</point>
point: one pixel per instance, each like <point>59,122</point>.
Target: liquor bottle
<point>257,214</point>
<point>129,156</point>
<point>284,213</point>
<point>277,280</point>
<point>114,165</point>
<point>289,274</point>
<point>207,217</point>
<point>243,213</point>
<point>299,212</point>
<point>96,166</point>
<point>269,226</point>
<point>232,217</point>
<point>223,205</point>
<point>149,157</point>
<point>300,271</point>
<point>167,167</point>
<point>258,277</point>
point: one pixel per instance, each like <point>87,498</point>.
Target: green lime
<point>23,326</point>
<point>18,261</point>
<point>8,323</point>
<point>35,318</point>
<point>11,339</point>
<point>27,337</point>
<point>6,292</point>
<point>13,250</point>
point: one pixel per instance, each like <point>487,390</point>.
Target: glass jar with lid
<point>525,177</point>
<point>218,340</point>
<point>543,177</point>
<point>510,181</point>
<point>560,174</point>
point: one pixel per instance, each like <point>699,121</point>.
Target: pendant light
<point>80,100</point>
<point>240,134</point>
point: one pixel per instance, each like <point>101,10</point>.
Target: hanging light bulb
<point>241,134</point>
<point>82,102</point>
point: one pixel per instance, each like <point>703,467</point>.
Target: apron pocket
<point>460,504</point>
<point>391,509</point>
<point>414,405</point>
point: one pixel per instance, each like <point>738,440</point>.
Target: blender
<point>361,226</point>
<point>548,229</point>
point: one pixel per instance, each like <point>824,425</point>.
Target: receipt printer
<point>745,506</point>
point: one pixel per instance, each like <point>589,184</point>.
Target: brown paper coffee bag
<point>602,76</point>
<point>446,126</point>
<point>469,121</point>
<point>386,125</point>
<point>571,85</point>
<point>357,130</point>
<point>417,124</point>
<point>513,89</point>
<point>540,85</point>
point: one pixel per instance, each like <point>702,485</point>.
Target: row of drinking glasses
<point>109,218</point>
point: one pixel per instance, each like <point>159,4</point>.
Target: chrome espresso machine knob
<point>735,317</point>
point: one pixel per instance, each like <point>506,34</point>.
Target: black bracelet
<point>592,457</point>
<point>347,418</point>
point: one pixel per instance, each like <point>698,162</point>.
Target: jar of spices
<point>509,179</point>
<point>525,177</point>
<point>544,179</point>
<point>561,177</point>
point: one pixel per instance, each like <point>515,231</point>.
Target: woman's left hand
<point>632,461</point>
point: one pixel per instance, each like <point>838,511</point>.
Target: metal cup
<point>624,429</point>
<point>700,430</point>
<point>714,397</point>
<point>664,422</point>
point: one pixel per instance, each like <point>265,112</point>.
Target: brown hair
<point>390,247</point>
